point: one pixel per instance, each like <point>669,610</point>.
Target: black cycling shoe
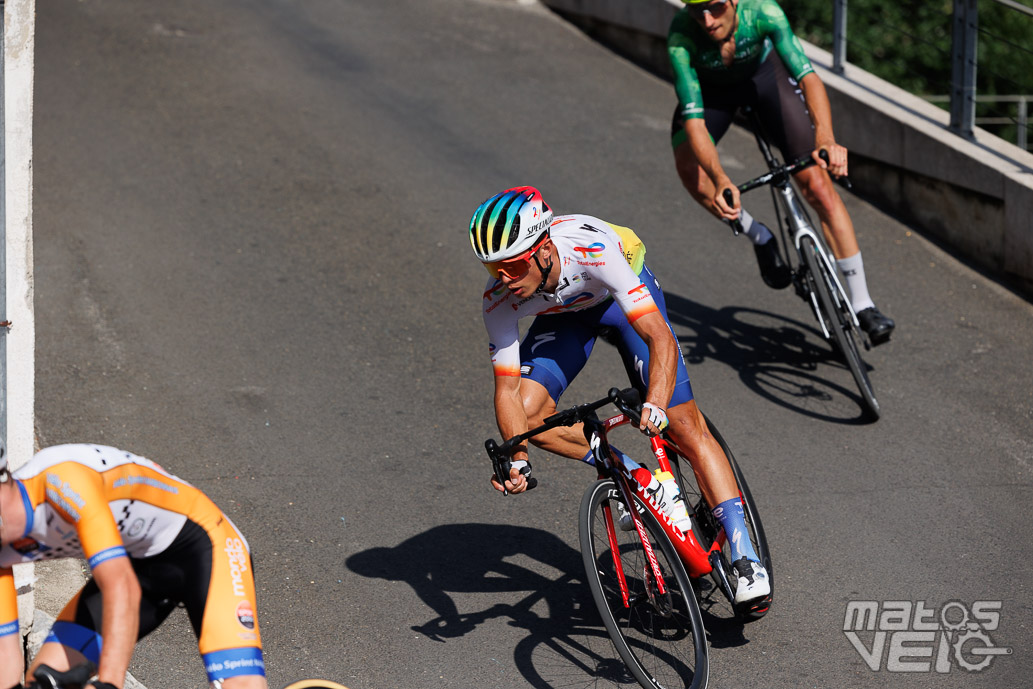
<point>773,269</point>
<point>878,326</point>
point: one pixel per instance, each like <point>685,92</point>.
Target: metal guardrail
<point>1021,121</point>
<point>964,44</point>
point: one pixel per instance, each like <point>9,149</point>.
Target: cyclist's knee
<point>818,190</point>
<point>687,425</point>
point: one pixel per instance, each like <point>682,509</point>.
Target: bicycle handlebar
<point>627,401</point>
<point>47,677</point>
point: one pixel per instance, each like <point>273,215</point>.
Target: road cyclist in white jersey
<point>580,278</point>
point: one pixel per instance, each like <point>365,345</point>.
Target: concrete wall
<point>974,196</point>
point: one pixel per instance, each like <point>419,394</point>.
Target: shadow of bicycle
<point>566,644</point>
<point>776,357</point>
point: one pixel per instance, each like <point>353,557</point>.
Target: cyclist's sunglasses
<point>715,9</point>
<point>515,268</point>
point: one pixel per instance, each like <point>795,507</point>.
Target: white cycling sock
<point>756,231</point>
<point>853,270</point>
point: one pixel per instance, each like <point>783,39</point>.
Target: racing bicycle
<point>647,581</point>
<point>813,266</point>
<point>48,678</point>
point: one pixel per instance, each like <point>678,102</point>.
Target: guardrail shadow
<point>566,644</point>
<point>775,356</point>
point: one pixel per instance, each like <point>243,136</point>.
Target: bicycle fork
<point>799,229</point>
<point>656,588</point>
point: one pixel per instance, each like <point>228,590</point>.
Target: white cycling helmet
<point>509,224</point>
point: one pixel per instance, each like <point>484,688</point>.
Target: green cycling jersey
<point>695,57</point>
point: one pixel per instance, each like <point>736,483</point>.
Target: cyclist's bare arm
<point>10,660</point>
<point>120,593</point>
<point>663,362</point>
<point>512,420</point>
<point>817,100</point>
<point>705,152</point>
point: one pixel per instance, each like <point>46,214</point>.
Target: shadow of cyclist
<point>775,356</point>
<point>565,637</point>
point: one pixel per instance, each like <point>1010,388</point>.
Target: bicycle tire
<point>839,325</point>
<point>707,527</point>
<point>314,684</point>
<point>661,652</point>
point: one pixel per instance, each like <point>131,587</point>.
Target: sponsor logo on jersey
<point>495,290</point>
<point>237,557</point>
<point>135,528</point>
<point>641,286</point>
<point>246,614</point>
<point>594,250</point>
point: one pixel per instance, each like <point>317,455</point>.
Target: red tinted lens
<point>514,270</point>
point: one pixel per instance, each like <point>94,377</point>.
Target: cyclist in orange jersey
<point>152,542</point>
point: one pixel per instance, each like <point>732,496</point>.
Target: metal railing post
<point>1023,123</point>
<point>839,36</point>
<point>963,66</point>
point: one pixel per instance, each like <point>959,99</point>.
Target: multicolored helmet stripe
<point>509,223</point>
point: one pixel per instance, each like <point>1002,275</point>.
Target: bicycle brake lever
<point>735,224</point>
<point>499,464</point>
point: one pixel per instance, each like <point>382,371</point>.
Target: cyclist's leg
<point>552,353</point>
<point>73,639</point>
<point>782,108</point>
<point>687,425</point>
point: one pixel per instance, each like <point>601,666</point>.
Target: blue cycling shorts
<point>557,346</point>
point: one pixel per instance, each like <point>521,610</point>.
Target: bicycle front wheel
<point>839,324</point>
<point>659,637</point>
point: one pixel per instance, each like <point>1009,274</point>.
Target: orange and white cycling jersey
<point>100,503</point>
<point>596,261</point>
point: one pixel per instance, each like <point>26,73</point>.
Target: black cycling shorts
<point>775,96</point>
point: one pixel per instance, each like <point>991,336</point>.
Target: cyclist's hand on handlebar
<point>837,163</point>
<point>653,420</point>
<point>728,211</point>
<point>517,482</point>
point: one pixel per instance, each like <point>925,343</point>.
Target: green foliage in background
<point>909,44</point>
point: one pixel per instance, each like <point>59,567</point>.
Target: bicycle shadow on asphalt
<point>775,356</point>
<point>566,641</point>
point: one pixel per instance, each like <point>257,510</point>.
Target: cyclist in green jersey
<point>732,53</point>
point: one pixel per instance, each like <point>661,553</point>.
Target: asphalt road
<point>252,266</point>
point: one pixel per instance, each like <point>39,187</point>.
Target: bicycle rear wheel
<point>660,638</point>
<point>708,529</point>
<point>839,324</point>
